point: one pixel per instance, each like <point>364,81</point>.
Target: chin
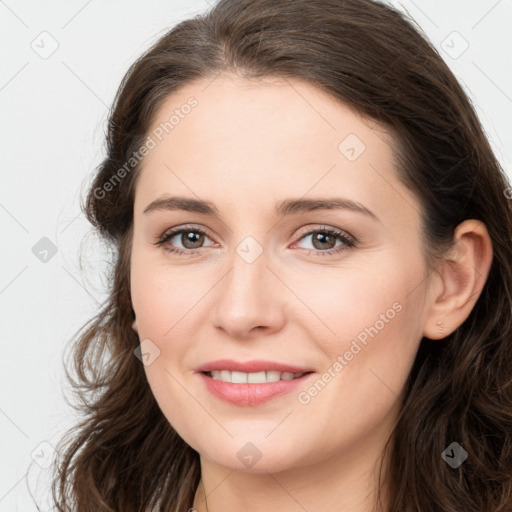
<point>251,457</point>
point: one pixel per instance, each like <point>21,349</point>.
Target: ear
<point>458,281</point>
<point>134,326</point>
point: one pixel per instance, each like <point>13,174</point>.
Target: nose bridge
<point>244,300</point>
<point>249,273</point>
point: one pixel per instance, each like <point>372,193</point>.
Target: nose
<point>250,300</point>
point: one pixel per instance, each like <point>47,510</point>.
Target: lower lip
<point>251,394</point>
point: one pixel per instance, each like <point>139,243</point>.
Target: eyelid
<point>185,227</point>
<point>308,230</point>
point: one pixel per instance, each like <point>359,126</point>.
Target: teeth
<point>252,378</point>
<point>273,376</point>
<point>225,375</point>
<point>238,377</point>
<point>256,378</point>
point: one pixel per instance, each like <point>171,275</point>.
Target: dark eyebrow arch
<point>283,208</point>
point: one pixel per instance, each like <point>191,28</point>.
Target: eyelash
<point>348,241</point>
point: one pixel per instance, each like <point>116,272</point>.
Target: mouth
<point>252,388</point>
<point>261,377</point>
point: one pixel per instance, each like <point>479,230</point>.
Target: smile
<point>252,389</point>
<point>252,378</point>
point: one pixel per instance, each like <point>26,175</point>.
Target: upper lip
<point>251,366</point>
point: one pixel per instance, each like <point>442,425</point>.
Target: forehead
<point>233,138</point>
<point>268,110</point>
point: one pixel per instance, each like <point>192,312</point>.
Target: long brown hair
<point>124,456</point>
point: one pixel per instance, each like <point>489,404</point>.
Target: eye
<point>191,240</point>
<point>324,241</point>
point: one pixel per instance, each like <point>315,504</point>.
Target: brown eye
<point>184,240</point>
<point>191,239</point>
<point>322,241</point>
<point>327,241</point>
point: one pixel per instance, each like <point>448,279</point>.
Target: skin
<point>245,147</point>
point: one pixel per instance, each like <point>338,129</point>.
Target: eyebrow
<point>283,208</point>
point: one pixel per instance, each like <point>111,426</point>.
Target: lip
<point>251,394</point>
<point>253,366</point>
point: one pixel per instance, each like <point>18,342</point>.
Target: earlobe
<point>134,326</point>
<point>461,277</point>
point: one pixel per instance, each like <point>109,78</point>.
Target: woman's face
<point>307,258</point>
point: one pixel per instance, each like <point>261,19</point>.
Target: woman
<point>311,298</point>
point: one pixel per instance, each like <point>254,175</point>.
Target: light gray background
<point>53,110</point>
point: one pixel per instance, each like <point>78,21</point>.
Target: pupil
<point>322,238</point>
<point>196,239</point>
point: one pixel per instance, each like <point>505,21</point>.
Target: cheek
<point>367,367</point>
<point>361,302</point>
<point>162,297</point>
<point>375,325</point>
